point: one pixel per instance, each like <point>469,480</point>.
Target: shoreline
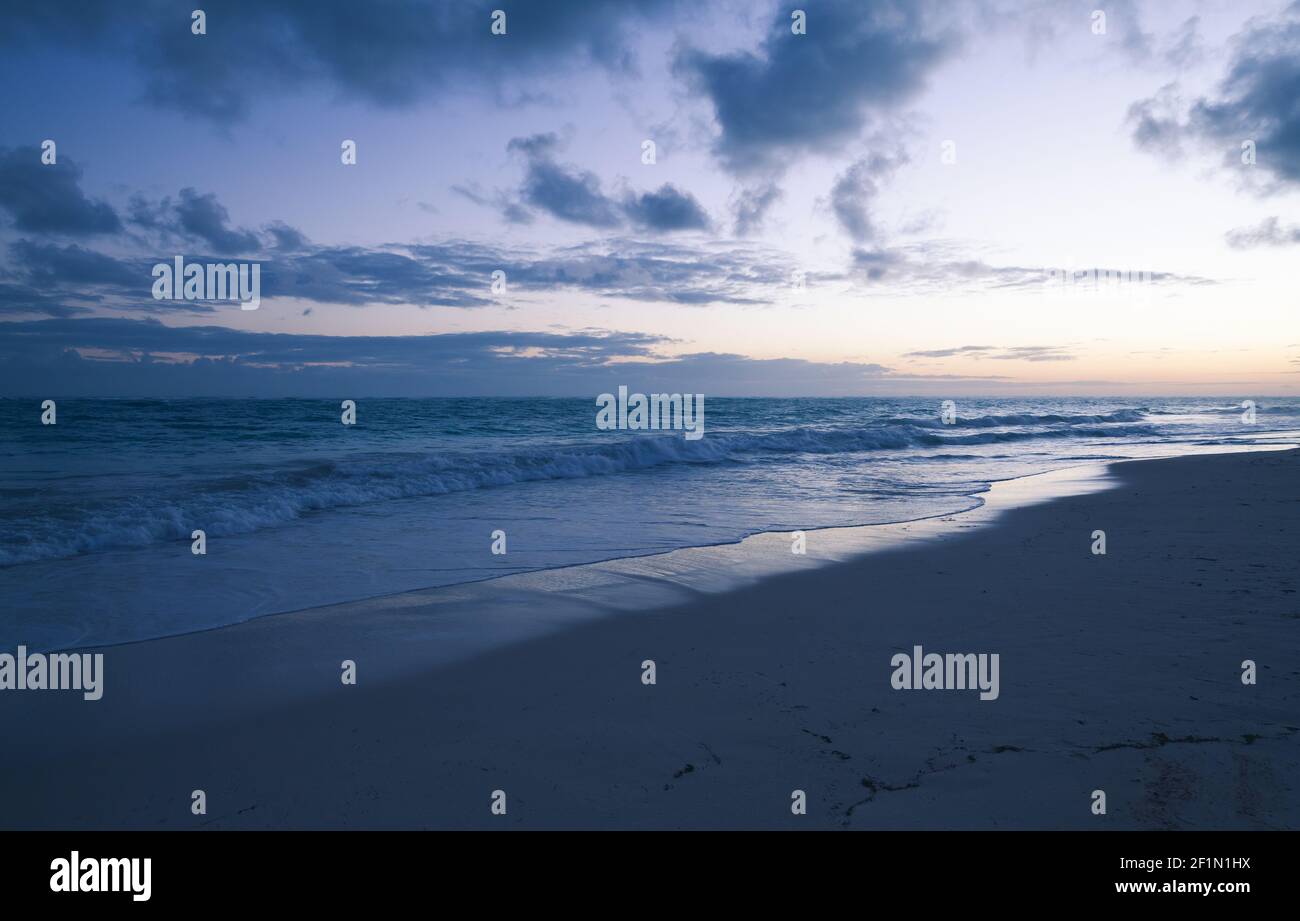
<point>845,540</point>
<point>562,698</point>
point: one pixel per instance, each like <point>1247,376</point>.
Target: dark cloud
<point>149,215</point>
<point>118,357</point>
<point>575,196</point>
<point>40,278</point>
<point>567,194</point>
<point>1268,232</point>
<point>58,280</point>
<point>287,238</point>
<point>203,218</point>
<point>664,210</point>
<point>694,275</point>
<point>355,275</point>
<point>536,146</point>
<point>25,300</point>
<point>48,198</point>
<point>125,357</point>
<point>855,190</point>
<point>813,92</point>
<point>294,350</point>
<point>200,219</point>
<point>1254,101</point>
<point>386,52</point>
<point>49,265</point>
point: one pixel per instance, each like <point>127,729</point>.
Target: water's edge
<point>520,605</point>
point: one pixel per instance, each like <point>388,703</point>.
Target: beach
<point>1119,672</point>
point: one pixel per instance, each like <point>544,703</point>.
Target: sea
<point>299,510</point>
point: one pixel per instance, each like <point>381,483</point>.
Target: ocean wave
<point>1233,409</point>
<point>1137,414</point>
<point>266,499</point>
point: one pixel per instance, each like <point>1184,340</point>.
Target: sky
<point>835,198</point>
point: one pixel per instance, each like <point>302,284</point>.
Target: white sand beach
<point>1118,672</point>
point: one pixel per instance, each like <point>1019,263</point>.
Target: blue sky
<point>888,203</point>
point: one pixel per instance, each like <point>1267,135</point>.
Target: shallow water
<point>96,512</point>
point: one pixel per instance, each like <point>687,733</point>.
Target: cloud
<point>1185,49</point>
<point>19,299</point>
<point>1044,24</point>
<point>59,281</point>
<point>1034,353</point>
<point>1154,123</point>
<point>513,211</point>
<point>472,192</point>
<point>751,206</point>
<point>575,196</point>
<point>287,238</point>
<point>875,265</point>
<point>49,265</point>
<point>1268,232</point>
<point>42,278</point>
<point>1177,49</point>
<point>665,210</point>
<point>293,350</point>
<point>855,190</point>
<point>121,357</point>
<point>1123,19</point>
<point>1254,101</point>
<point>1012,353</point>
<point>391,54</point>
<point>929,267</point>
<point>565,194</point>
<point>53,280</point>
<point>662,272</point>
<point>48,198</point>
<point>203,218</point>
<point>430,277</point>
<point>950,353</point>
<point>458,274</point>
<point>814,92</point>
<point>62,280</point>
